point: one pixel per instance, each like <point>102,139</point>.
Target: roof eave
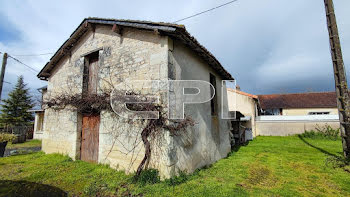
<point>176,30</point>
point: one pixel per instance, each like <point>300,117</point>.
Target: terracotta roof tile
<point>242,93</point>
<point>298,100</point>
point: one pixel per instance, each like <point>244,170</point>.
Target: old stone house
<point>101,52</point>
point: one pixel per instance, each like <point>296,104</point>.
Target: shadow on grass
<point>319,149</point>
<point>26,188</point>
<point>236,148</point>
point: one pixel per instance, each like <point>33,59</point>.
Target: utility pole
<point>4,61</point>
<point>341,87</point>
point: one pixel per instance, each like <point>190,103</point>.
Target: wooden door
<point>93,74</point>
<point>89,138</point>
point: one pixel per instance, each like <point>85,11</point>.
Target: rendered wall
<point>208,141</point>
<point>291,125</point>
<point>244,104</point>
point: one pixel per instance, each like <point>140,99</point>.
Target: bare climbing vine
<point>98,102</point>
<point>124,64</point>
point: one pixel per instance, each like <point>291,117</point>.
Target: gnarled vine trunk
<point>146,132</point>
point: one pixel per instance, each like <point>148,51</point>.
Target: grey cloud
<point>269,46</point>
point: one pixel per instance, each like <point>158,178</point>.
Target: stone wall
<point>134,55</point>
<point>61,132</point>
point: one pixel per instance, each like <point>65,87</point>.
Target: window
<point>318,113</point>
<point>273,112</point>
<point>214,101</point>
<point>40,121</point>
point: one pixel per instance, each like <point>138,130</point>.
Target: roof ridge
<point>171,29</point>
<point>138,21</point>
<point>296,93</point>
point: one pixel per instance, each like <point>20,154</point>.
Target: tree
<point>15,108</point>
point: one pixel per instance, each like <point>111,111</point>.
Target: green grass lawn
<point>268,166</point>
<point>26,144</point>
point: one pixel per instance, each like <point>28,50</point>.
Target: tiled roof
<point>298,100</point>
<point>242,93</point>
<point>176,31</point>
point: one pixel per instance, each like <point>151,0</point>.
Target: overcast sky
<point>269,46</point>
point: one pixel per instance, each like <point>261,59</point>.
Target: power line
<point>40,54</point>
<point>33,69</point>
<point>211,9</point>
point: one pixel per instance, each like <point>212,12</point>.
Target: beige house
<point>288,114</point>
<point>245,104</point>
<point>101,52</point>
<point>299,104</point>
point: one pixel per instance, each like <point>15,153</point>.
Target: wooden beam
<point>156,31</point>
<point>117,29</point>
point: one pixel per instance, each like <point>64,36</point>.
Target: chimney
<point>238,87</point>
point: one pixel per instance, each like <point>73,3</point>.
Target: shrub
<point>325,132</point>
<point>177,180</point>
<point>149,176</point>
<point>6,137</point>
<point>337,162</point>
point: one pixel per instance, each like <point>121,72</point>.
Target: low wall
<point>290,125</point>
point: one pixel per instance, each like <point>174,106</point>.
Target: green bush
<point>325,132</point>
<point>149,176</point>
<point>6,137</point>
<point>177,180</point>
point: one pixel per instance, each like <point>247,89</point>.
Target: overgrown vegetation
<point>6,137</point>
<point>322,132</point>
<point>268,166</point>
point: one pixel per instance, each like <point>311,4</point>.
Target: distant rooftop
<point>298,100</point>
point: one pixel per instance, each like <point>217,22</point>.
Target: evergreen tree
<point>15,108</point>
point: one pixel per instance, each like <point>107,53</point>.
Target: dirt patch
<point>260,176</point>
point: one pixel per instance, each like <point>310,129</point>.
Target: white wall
<point>244,104</point>
<point>290,125</point>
